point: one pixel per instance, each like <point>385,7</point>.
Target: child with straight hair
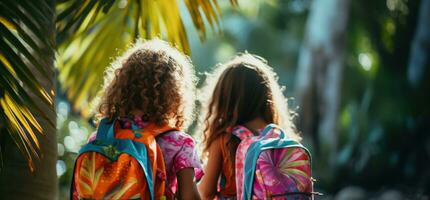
<point>242,97</point>
<point>150,90</point>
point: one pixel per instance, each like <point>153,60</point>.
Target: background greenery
<point>382,129</point>
<point>383,122</point>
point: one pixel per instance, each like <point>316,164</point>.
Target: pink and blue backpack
<point>272,166</point>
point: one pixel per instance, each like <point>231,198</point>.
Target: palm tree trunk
<point>320,73</point>
<point>420,49</point>
<point>16,179</point>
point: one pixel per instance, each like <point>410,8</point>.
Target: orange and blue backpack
<point>121,164</point>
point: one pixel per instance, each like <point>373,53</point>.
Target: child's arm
<point>208,184</point>
<point>186,186</point>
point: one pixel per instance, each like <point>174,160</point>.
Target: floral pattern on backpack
<point>280,172</point>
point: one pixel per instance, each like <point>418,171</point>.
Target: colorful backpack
<point>271,166</point>
<point>121,164</point>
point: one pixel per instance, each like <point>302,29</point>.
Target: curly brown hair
<point>154,78</point>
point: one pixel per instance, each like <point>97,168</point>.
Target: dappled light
<point>350,81</point>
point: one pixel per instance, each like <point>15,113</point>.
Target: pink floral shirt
<point>179,153</point>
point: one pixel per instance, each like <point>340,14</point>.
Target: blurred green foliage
<point>384,123</point>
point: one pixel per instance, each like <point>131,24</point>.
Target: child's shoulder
<point>177,138</point>
<point>177,135</point>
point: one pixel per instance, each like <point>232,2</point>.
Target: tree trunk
<point>420,48</point>
<point>16,179</point>
<point>320,73</point>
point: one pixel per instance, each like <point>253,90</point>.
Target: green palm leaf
<point>21,58</point>
<point>92,31</point>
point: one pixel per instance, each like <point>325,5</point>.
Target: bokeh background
<point>382,127</point>
<point>356,74</point>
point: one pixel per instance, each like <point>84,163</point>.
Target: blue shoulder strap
<point>105,130</point>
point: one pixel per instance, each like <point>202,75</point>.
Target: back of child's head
<point>154,78</point>
<point>241,90</point>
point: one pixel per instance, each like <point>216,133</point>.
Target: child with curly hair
<point>153,85</point>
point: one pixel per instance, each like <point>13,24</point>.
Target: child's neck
<point>256,124</point>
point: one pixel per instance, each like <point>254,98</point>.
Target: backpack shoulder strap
<point>105,129</point>
<point>157,163</point>
<point>272,129</point>
<point>242,132</point>
<point>155,155</point>
<point>157,130</point>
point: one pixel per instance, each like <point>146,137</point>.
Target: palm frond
<point>22,44</point>
<point>91,32</point>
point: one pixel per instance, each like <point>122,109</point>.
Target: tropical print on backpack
<point>120,163</point>
<point>271,166</point>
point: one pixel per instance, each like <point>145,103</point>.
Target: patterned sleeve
<point>187,157</point>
